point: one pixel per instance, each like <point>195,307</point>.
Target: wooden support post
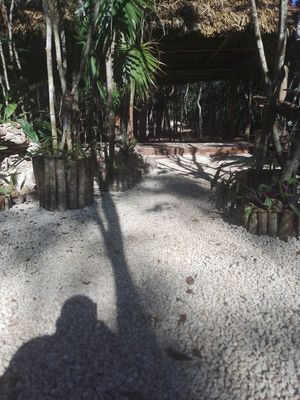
<point>52,184</point>
<point>82,183</point>
<point>61,185</point>
<point>72,185</point>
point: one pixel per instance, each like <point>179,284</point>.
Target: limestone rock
<point>12,133</point>
<point>22,172</point>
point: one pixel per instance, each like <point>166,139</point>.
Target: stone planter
<point>64,184</point>
<point>282,224</point>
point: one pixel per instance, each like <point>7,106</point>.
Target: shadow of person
<point>83,359</point>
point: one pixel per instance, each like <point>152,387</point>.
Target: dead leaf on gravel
<point>190,291</point>
<point>178,299</point>
<point>190,280</point>
<point>182,319</point>
<point>177,355</point>
<point>196,353</point>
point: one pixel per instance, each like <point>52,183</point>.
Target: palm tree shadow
<point>132,321</point>
<point>84,359</point>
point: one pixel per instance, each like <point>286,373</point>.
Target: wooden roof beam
<point>223,50</point>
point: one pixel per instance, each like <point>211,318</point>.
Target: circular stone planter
<point>282,224</point>
<point>64,184</point>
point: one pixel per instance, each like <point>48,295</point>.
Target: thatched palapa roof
<point>215,17</point>
<point>210,18</point>
<point>198,39</point>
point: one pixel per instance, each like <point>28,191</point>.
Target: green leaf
<point>29,130</point>
<point>9,110</point>
<point>295,209</point>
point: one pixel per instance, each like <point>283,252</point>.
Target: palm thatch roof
<point>198,39</point>
<point>29,19</point>
<point>211,18</point>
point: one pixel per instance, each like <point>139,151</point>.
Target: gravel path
<point>149,295</point>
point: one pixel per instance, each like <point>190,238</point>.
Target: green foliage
<point>137,64</point>
<point>7,111</point>
<point>29,131</point>
<point>116,95</point>
<point>119,25</point>
<point>275,196</point>
<point>227,181</point>
<point>127,148</point>
<point>120,17</point>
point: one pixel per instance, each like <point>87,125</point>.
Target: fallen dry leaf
<point>182,319</point>
<point>196,353</point>
<point>190,280</point>
<point>177,356</point>
<point>190,291</point>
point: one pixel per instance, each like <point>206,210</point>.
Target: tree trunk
<point>4,67</point>
<point>51,88</point>
<point>110,119</point>
<point>200,133</point>
<point>130,129</point>
<point>293,164</point>
<point>259,44</point>
<point>249,111</point>
<point>59,58</point>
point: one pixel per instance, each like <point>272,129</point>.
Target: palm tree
<point>129,62</point>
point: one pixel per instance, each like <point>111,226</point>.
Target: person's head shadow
<point>83,359</point>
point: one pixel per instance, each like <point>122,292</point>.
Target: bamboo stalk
<point>282,35</point>
<point>12,48</point>
<point>4,67</point>
<point>9,27</point>
<point>259,44</point>
<point>59,57</point>
<point>51,87</point>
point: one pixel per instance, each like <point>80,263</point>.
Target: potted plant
<point>64,170</point>
<point>273,210</point>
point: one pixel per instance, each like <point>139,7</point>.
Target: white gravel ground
<point>149,295</point>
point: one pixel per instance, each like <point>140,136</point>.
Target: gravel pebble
<point>98,303</point>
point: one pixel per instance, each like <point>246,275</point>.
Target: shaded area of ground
<point>147,295</point>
